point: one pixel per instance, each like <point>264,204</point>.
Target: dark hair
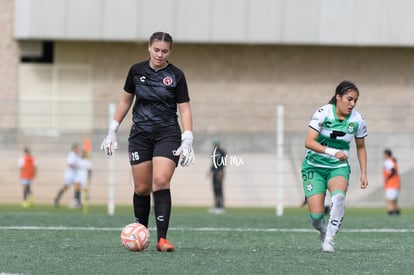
<point>161,36</point>
<point>342,88</point>
<point>388,152</point>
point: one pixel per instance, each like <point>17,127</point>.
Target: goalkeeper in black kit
<point>156,142</point>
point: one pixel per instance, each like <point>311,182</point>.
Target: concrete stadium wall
<point>252,181</point>
<point>234,91</point>
<point>316,22</point>
<point>232,86</point>
<point>9,56</point>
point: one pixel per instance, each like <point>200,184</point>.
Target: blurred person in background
<point>72,176</point>
<point>325,167</point>
<point>156,144</point>
<point>86,178</point>
<point>392,183</point>
<point>216,172</point>
<point>28,170</point>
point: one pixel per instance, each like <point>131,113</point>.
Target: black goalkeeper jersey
<point>157,95</point>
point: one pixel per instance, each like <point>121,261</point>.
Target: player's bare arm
<point>311,143</point>
<point>362,157</point>
<point>123,106</point>
<point>186,116</point>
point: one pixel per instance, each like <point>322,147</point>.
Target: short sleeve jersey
<point>394,181</point>
<point>74,160</point>
<point>334,133</point>
<point>157,95</point>
<point>27,163</point>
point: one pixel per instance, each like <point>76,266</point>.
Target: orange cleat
<point>165,246</point>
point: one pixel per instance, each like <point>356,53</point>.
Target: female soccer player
<point>28,169</point>
<point>72,176</point>
<point>392,183</point>
<point>156,144</point>
<point>326,167</point>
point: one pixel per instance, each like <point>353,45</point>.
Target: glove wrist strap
<point>187,135</point>
<point>114,126</point>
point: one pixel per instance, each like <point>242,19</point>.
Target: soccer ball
<point>135,237</point>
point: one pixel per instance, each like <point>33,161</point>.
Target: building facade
<point>64,61</point>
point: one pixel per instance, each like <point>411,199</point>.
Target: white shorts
<point>25,181</point>
<point>71,177</point>
<point>391,194</point>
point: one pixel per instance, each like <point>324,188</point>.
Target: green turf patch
<point>45,240</point>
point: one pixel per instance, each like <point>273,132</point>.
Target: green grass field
<point>44,240</point>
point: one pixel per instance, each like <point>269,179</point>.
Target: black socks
<point>142,207</point>
<point>162,211</point>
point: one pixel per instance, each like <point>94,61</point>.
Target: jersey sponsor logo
<point>351,128</point>
<point>167,81</point>
<point>142,79</point>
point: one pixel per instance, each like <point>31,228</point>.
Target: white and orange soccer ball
<point>135,237</point>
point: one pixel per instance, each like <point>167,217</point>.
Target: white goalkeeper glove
<point>110,143</point>
<point>185,151</point>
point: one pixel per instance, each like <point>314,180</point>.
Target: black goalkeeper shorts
<point>143,146</point>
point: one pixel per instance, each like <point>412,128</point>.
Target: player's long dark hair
<point>342,88</point>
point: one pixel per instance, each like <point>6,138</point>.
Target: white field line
<point>205,229</point>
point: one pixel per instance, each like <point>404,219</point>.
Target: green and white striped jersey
<point>334,133</point>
